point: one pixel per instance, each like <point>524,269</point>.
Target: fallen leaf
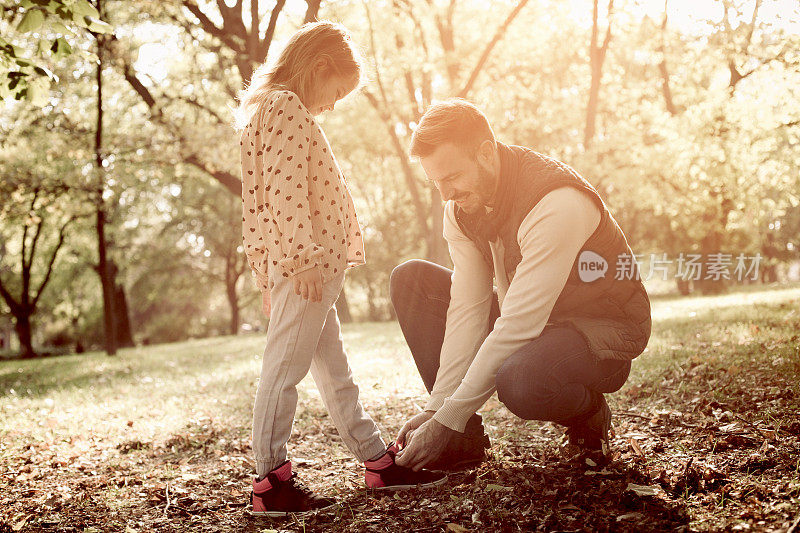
<point>603,472</point>
<point>456,528</point>
<point>636,448</point>
<point>569,507</point>
<point>19,525</point>
<point>642,490</point>
<point>768,434</point>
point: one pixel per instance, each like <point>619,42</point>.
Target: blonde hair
<point>455,121</point>
<point>294,68</point>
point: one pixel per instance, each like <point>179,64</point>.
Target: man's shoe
<point>384,474</point>
<point>589,437</point>
<point>464,450</point>
<point>281,493</point>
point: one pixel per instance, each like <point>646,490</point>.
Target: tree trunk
<point>22,325</point>
<point>231,279</point>
<point>684,286</point>
<point>711,243</point>
<point>373,312</point>
<point>662,67</point>
<point>123,321</point>
<point>103,267</point>
<point>597,56</point>
<point>233,302</point>
<point>109,318</point>
<point>437,247</point>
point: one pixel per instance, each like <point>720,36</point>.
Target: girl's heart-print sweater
<point>297,209</point>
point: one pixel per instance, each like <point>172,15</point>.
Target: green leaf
<point>58,27</point>
<point>44,71</point>
<point>85,9</point>
<point>32,21</point>
<point>49,5</point>
<point>39,91</point>
<point>60,48</point>
<point>494,487</point>
<point>98,26</point>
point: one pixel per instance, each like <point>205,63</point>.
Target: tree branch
<point>228,180</point>
<point>195,103</point>
<point>489,47</point>
<point>52,261</point>
<point>263,49</point>
<point>25,230</point>
<point>312,11</point>
<point>408,173</point>
<point>211,28</point>
<point>378,78</point>
<point>662,67</point>
<point>16,308</point>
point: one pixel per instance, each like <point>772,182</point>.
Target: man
<point>563,326</point>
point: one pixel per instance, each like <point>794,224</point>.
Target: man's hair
<point>454,121</point>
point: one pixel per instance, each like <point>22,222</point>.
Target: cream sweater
<point>550,238</point>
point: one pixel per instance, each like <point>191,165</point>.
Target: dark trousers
<point>554,377</point>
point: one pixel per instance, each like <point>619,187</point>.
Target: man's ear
<point>485,153</point>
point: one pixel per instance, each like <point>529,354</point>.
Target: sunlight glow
<point>695,17</point>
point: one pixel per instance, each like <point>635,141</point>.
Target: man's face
<point>466,180</point>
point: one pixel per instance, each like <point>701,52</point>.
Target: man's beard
<point>487,183</point>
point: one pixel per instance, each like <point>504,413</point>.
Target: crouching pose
<point>568,315</point>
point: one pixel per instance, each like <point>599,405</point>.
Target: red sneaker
<point>281,493</point>
<point>384,474</point>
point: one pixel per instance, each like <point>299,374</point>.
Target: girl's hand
<point>308,284</point>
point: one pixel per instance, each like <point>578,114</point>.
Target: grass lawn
<point>157,438</point>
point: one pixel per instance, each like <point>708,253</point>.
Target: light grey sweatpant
<point>303,334</point>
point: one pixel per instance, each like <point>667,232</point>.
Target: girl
<point>300,235</point>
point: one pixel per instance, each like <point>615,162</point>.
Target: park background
<point>120,234</point>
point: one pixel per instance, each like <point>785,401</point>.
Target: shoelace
<point>298,485</point>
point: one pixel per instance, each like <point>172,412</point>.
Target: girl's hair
<point>293,71</point>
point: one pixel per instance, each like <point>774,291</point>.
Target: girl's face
<point>331,89</point>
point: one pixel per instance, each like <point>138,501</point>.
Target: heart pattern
<point>310,220</point>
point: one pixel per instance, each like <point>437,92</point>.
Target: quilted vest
<point>603,298</point>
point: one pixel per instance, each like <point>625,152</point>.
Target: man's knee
<point>403,276</point>
<point>522,387</point>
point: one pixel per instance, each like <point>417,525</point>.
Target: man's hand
<point>308,284</point>
<point>425,445</point>
<point>410,426</point>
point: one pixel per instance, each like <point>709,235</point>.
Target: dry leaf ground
<point>156,439</point>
